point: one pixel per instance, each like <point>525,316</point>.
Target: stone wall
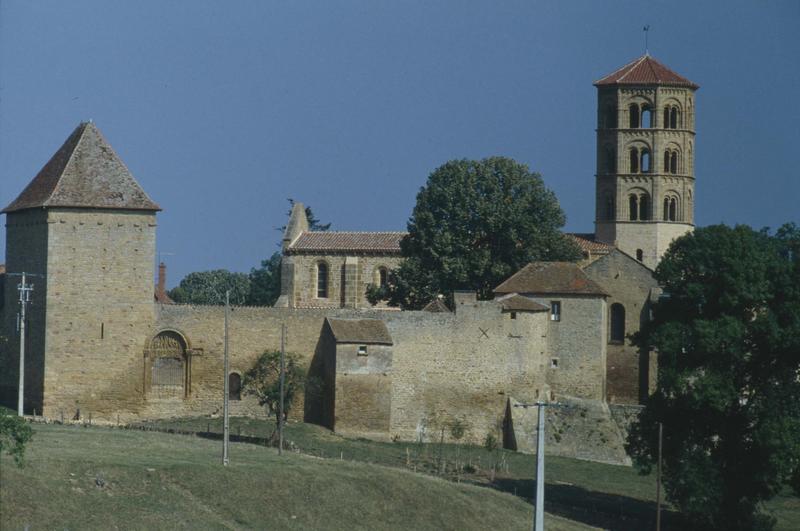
<point>26,250</point>
<point>577,346</point>
<point>630,373</point>
<point>99,300</point>
<point>348,277</point>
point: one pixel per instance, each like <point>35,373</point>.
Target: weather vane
<point>646,30</point>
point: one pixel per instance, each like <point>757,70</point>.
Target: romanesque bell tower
<point>645,158</point>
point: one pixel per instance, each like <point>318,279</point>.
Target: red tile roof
<point>84,173</point>
<point>518,303</point>
<point>359,242</point>
<point>645,71</point>
<point>562,278</point>
<point>589,245</point>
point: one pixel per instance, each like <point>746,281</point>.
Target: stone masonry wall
<point>358,270</point>
<point>577,356</point>
<point>99,301</point>
<point>26,250</point>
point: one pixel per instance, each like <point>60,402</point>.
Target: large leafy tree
<point>475,224</point>
<point>265,281</point>
<point>209,287</point>
<point>727,334</point>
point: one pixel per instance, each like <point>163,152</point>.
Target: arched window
<point>611,160</point>
<point>618,322</point>
<point>673,118</point>
<point>633,207</point>
<point>647,117</point>
<point>234,386</point>
<point>645,160</point>
<point>673,209</point>
<point>666,209</point>
<point>322,280</point>
<point>633,115</point>
<point>634,160</point>
<point>666,118</point>
<point>666,161</point>
<point>383,277</point>
<point>644,207</point>
<point>639,255</point>
<point>673,164</point>
<point>610,214</point>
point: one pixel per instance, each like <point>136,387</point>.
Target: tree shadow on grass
<point>599,509</point>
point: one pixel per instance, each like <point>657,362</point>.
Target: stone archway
<point>169,371</point>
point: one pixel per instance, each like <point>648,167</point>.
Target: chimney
<point>162,282</point>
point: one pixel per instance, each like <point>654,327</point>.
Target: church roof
<point>335,241</point>
<point>561,278</point>
<point>369,331</point>
<point>84,173</point>
<point>645,71</point>
<point>589,244</point>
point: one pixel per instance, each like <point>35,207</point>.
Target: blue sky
<point>222,110</point>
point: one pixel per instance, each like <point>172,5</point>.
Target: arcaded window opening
<point>638,207</point>
<point>644,207</point>
<point>633,207</point>
<point>617,323</point>
<point>645,165</point>
<point>322,280</point>
<point>647,117</point>
<point>634,160</point>
<point>633,115</point>
<point>673,118</point>
<point>673,162</point>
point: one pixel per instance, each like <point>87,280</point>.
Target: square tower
<point>86,230</point>
<point>645,159</point>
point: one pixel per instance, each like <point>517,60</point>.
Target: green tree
<point>209,287</point>
<point>265,281</point>
<point>262,380</point>
<point>15,433</point>
<point>474,225</point>
<point>727,335</point>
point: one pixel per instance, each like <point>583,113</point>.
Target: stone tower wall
<point>99,302</point>
<point>26,250</point>
<point>617,179</point>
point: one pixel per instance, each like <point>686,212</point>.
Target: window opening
<point>382,277</point>
<point>555,310</point>
<point>647,118</point>
<point>617,323</point>
<point>673,162</point>
<point>322,281</point>
<point>639,255</point>
<point>645,160</point>
<point>633,207</point>
<point>554,363</point>
<point>666,117</point>
<point>362,350</point>
<point>633,112</point>
<point>673,118</point>
<point>644,207</point>
<point>634,160</point>
<point>673,209</point>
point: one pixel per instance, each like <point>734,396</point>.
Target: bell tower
<point>645,158</point>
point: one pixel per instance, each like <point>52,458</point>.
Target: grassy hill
<point>105,478</point>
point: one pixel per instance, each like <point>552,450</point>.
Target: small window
<point>554,363</point>
<point>555,310</point>
<point>513,315</point>
<point>639,255</point>
<point>362,350</point>
<point>644,207</point>
<point>322,280</point>
<point>617,323</point>
<point>633,207</point>
<point>234,386</point>
<point>382,277</point>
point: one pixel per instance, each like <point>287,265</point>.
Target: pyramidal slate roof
<point>561,278</point>
<point>645,71</point>
<point>84,173</point>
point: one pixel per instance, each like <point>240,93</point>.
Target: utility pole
<point>225,424</point>
<point>658,478</point>
<point>283,378</point>
<point>538,515</point>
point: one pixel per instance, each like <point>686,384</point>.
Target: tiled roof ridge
<point>630,66</point>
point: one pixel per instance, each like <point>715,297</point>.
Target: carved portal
<point>169,366</point>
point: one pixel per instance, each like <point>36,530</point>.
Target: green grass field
<point>597,494</point>
<point>105,478</point>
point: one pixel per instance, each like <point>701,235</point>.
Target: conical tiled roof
<point>84,173</point>
<point>645,71</point>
